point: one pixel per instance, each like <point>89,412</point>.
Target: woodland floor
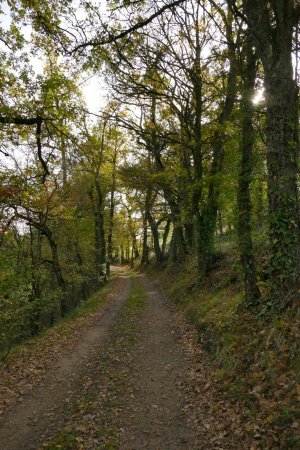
<point>130,376</point>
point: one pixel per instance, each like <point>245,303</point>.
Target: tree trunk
<point>197,150</point>
<point>145,249</point>
<point>178,247</point>
<point>206,225</point>
<point>273,34</point>
<point>243,196</point>
<point>101,250</point>
<point>35,255</point>
<point>165,238</point>
<point>155,235</point>
<point>111,215</point>
<point>55,259</point>
<point>281,132</point>
<point>220,222</point>
<point>45,230</point>
<point>154,148</point>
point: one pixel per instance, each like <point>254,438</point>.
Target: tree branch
<point>30,121</point>
<point>20,120</point>
<point>126,32</point>
<point>39,149</point>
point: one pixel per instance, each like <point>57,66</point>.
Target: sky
<point>94,91</point>
<point>93,87</point>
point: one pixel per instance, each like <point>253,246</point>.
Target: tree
<point>272,26</point>
<point>248,74</point>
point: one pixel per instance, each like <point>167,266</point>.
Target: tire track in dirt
<point>138,380</point>
<point>134,399</point>
<point>45,408</point>
<point>155,419</point>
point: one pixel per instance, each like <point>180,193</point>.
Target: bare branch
<point>130,30</point>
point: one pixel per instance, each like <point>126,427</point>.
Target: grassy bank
<point>257,361</point>
<point>84,309</point>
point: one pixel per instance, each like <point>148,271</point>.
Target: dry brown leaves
<point>29,363</point>
<point>221,422</point>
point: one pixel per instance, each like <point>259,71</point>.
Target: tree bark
<point>179,244</point>
<point>206,224</point>
<point>100,223</point>
<point>35,254</point>
<point>165,238</point>
<point>100,245</point>
<point>155,235</point>
<point>145,248</point>
<point>178,247</point>
<point>145,253</point>
<point>272,30</point>
<point>44,229</point>
<point>111,215</point>
<point>252,292</point>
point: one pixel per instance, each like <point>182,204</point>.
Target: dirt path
<point>155,412</point>
<point>45,406</point>
<point>136,380</point>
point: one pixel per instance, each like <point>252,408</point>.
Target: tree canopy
<point>196,144</point>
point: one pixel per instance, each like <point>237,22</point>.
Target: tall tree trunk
<point>243,196</point>
<point>165,238</point>
<point>45,230</point>
<point>134,247</point>
<point>206,224</point>
<point>55,262</point>
<point>220,222</point>
<point>55,259</point>
<point>154,148</point>
<point>64,162</point>
<point>197,148</point>
<point>272,30</point>
<point>155,235</point>
<point>111,214</point>
<point>145,248</point>
<point>145,253</point>
<point>260,207</point>
<point>96,234</point>
<point>101,253</point>
<point>35,255</point>
<point>178,246</point>
<point>281,132</point>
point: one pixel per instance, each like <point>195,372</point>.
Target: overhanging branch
<point>30,121</point>
<point>124,33</point>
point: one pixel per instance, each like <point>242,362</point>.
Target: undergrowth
<point>256,361</point>
<point>62,326</point>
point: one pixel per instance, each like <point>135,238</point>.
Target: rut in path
<point>155,419</point>
<point>152,414</point>
<point>45,407</point>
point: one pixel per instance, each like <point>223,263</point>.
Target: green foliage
<point>15,314</point>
